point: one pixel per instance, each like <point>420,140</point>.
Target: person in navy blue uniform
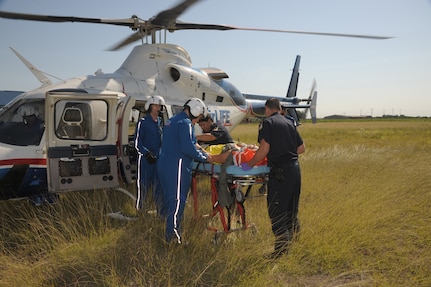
<point>175,163</point>
<point>148,140</point>
<point>280,141</point>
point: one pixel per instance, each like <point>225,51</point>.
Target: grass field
<point>365,216</point>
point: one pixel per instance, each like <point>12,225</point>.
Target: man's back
<point>283,138</point>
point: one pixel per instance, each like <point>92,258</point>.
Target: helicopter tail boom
<point>290,103</point>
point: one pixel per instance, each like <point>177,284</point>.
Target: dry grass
<point>365,214</point>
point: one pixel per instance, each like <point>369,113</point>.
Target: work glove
<point>245,166</point>
<point>151,158</point>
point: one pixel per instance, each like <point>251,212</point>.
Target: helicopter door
<point>81,141</point>
<point>126,165</point>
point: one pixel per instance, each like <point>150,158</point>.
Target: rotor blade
<point>168,17</point>
<point>129,22</point>
<point>132,38</point>
<point>195,26</point>
<point>164,20</point>
<point>35,71</point>
<point>313,88</point>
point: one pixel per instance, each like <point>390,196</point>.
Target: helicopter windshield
<point>235,94</point>
<point>23,123</point>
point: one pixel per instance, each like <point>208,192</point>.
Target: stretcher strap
<point>204,168</point>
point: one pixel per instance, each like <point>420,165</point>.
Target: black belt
<point>285,164</point>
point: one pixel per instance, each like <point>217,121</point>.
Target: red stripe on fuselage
<point>14,161</point>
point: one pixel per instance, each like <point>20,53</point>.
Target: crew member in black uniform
<point>215,134</point>
<point>212,132</point>
<point>281,143</point>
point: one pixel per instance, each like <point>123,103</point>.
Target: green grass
<point>365,218</point>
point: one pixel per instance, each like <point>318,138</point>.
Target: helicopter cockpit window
<point>81,120</point>
<point>23,123</point>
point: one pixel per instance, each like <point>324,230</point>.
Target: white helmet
<point>197,107</point>
<point>28,110</point>
<point>154,100</point>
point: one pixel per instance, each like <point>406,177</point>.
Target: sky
<point>355,77</point>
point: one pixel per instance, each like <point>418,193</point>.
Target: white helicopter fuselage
<point>87,122</point>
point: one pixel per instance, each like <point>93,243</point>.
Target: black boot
<point>281,246</point>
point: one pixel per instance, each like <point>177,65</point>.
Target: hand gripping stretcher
<point>235,179</point>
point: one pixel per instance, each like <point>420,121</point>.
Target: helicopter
<point>81,137</point>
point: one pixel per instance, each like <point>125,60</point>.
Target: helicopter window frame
<point>81,119</point>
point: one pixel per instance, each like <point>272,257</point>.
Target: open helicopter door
<point>126,165</point>
<point>81,141</point>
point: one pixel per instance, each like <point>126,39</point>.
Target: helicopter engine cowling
<point>188,77</point>
<point>195,82</point>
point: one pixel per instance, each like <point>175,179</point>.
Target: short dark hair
<point>273,104</point>
<point>205,119</point>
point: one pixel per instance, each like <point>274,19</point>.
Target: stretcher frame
<point>236,182</point>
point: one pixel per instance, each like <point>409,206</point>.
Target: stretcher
<point>236,179</point>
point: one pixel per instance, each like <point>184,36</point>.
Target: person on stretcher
<point>216,140</point>
<point>226,155</point>
<point>240,152</point>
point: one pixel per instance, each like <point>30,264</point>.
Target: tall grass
<point>365,218</point>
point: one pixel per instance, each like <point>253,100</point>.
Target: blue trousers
<point>148,178</point>
<point>175,178</point>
